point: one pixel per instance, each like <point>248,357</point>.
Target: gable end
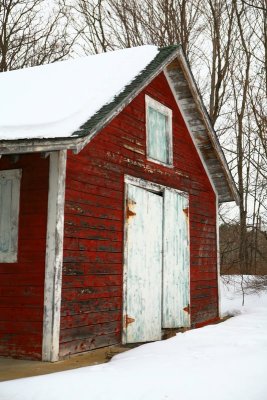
<point>198,123</point>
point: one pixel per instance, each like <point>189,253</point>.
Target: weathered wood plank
<point>75,208</point>
<point>74,307</point>
<point>92,245</point>
<point>90,343</point>
<point>92,233</point>
<point>91,268</point>
<point>79,281</point>
<point>92,256</point>
<point>83,332</point>
<point>86,293</point>
<point>10,313</point>
<point>89,318</point>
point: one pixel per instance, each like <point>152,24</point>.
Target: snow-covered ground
<point>227,361</point>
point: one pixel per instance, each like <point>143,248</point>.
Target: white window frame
<point>15,174</point>
<point>157,106</point>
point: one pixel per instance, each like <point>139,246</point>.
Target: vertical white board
<point>143,266</point>
<point>54,256</point>
<point>175,301</point>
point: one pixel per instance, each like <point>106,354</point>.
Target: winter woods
<point>33,32</point>
<point>226,45</point>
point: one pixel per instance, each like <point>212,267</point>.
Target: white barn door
<point>176,297</point>
<point>143,266</point>
<point>156,264</point>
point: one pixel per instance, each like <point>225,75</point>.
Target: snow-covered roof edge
<point>221,175</point>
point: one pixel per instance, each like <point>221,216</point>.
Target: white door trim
<point>54,256</point>
<point>153,187</point>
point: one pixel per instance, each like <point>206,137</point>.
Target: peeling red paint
<point>22,283</point>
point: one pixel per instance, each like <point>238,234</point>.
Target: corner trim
<point>218,258</point>
<point>54,256</point>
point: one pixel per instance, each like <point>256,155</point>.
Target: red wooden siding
<point>22,283</point>
<point>93,243</point>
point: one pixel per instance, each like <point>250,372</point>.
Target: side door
<point>176,261</point>
<point>143,265</point>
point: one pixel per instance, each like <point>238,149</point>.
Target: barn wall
<point>22,283</point>
<point>93,243</point>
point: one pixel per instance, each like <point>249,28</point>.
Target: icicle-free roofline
<point>157,60</point>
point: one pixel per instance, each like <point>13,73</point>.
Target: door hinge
<point>129,211</point>
<point>187,309</point>
<point>186,211</point>
<point>128,320</point>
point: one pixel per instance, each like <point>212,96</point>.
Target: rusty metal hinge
<point>187,309</point>
<point>128,320</point>
<point>129,212</point>
<point>186,211</point>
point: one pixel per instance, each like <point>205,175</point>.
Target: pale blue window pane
<point>5,214</point>
<point>158,146</point>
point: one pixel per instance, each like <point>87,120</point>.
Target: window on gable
<point>9,213</point>
<point>159,132</point>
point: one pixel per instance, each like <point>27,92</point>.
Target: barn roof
<point>65,104</point>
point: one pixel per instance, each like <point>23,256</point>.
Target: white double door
<point>156,268</point>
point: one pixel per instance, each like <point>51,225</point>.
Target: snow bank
<point>232,297</point>
<point>227,361</point>
<point>55,100</point>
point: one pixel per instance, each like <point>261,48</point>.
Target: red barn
<point>110,179</point>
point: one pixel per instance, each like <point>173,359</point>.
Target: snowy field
<point>227,361</point>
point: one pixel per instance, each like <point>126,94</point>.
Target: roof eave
<point>232,194</point>
<point>22,146</point>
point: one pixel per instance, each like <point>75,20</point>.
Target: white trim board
<point>218,258</point>
<point>54,256</point>
<point>153,187</point>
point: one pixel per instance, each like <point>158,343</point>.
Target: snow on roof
<point>55,100</point>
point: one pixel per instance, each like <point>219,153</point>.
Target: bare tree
<point>108,24</point>
<point>226,44</point>
<point>258,4</point>
<point>219,17</point>
<point>31,33</point>
<point>248,153</point>
<point>89,20</point>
